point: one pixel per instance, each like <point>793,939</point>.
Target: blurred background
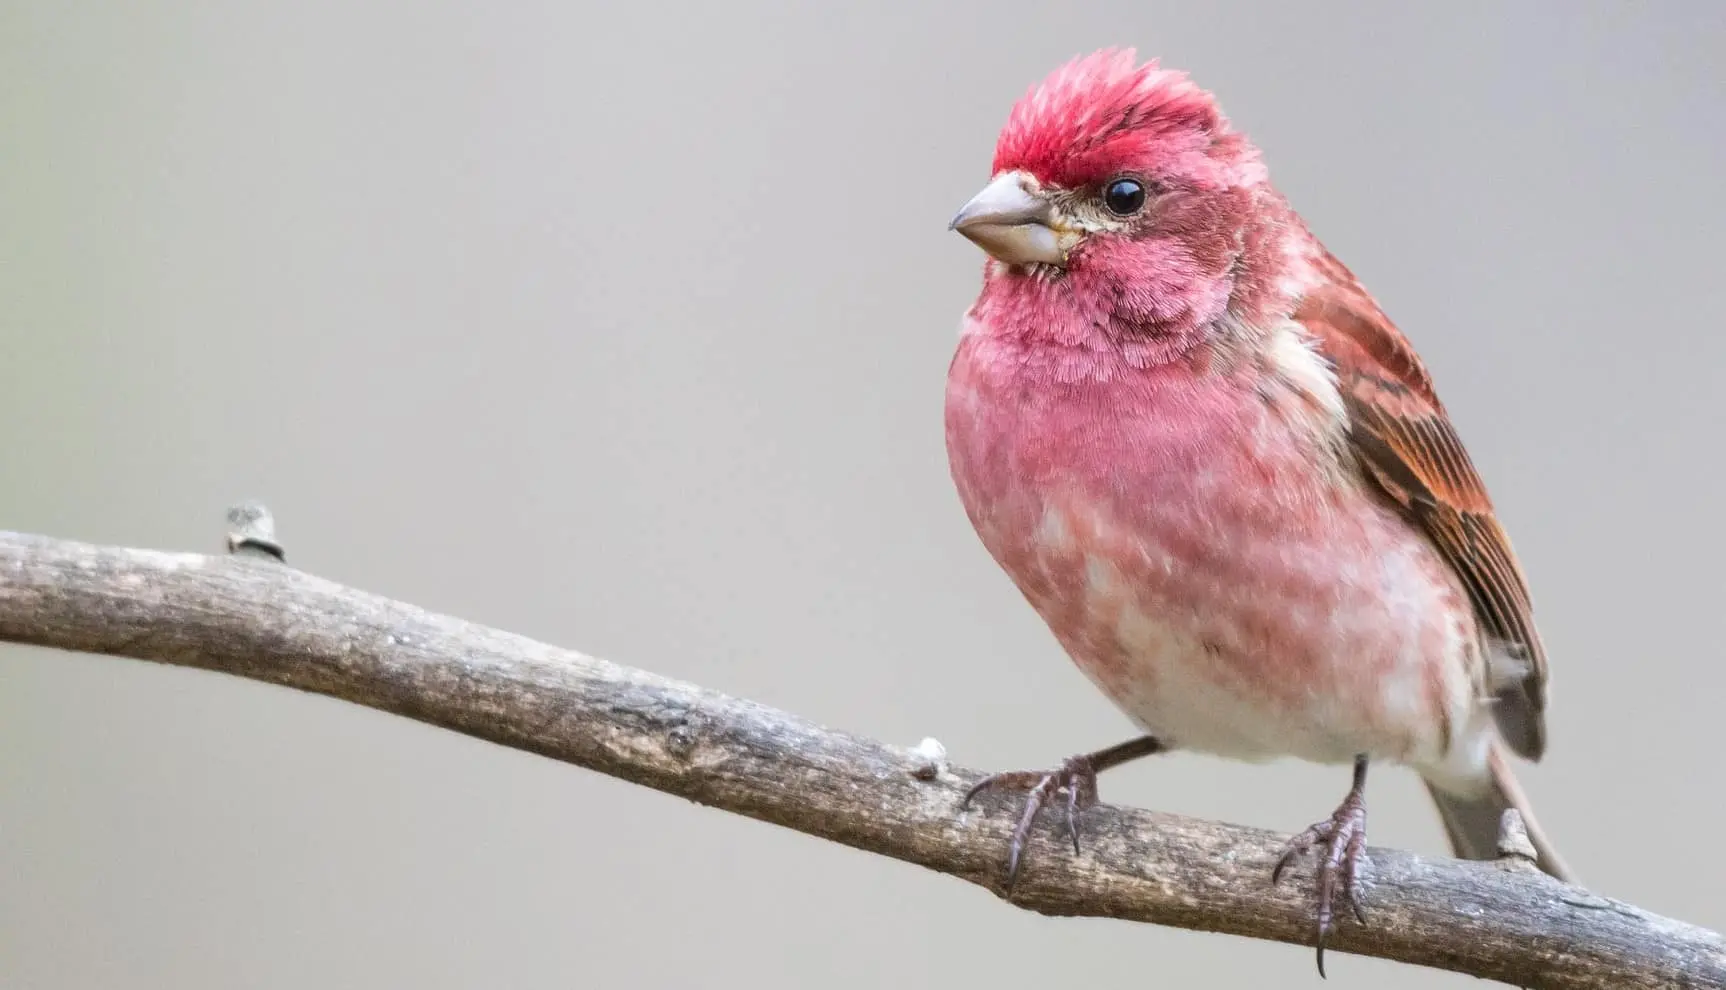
<point>627,329</point>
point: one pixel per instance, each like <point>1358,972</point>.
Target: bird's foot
<point>1075,779</point>
<point>1341,841</point>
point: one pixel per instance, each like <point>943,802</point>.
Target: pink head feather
<point>1102,114</point>
<point>1214,242</point>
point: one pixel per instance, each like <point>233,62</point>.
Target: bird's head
<point>1127,182</point>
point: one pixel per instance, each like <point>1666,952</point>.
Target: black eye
<point>1124,197</point>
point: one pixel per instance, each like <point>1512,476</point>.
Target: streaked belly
<point>1227,593</point>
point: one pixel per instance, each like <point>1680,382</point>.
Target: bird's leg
<point>1341,840</point>
<point>1077,777</point>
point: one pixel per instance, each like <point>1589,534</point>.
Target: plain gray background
<point>627,330</point>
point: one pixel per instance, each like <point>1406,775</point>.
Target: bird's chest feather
<point>1207,559</point>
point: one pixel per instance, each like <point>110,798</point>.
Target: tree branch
<point>251,616</point>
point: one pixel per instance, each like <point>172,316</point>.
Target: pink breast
<point>1203,563</point>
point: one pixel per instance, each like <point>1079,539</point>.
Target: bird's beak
<point>1012,223</point>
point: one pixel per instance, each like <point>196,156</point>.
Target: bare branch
<point>251,616</point>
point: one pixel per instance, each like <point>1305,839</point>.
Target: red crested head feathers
<point>1102,114</point>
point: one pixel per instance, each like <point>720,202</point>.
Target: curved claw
<point>1342,840</point>
<point>1073,817</point>
<point>1077,777</point>
<point>1027,779</point>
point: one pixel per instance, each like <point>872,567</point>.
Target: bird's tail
<point>1472,821</point>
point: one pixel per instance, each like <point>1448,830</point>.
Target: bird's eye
<point>1124,197</point>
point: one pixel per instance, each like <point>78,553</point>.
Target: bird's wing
<point>1405,442</point>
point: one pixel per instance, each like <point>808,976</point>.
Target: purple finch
<point>1222,476</point>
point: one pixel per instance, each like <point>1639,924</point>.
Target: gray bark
<point>251,616</point>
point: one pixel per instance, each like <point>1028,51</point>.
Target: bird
<point>1224,479</point>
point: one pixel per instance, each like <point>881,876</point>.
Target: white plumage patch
<point>1296,362</point>
<point>1296,358</point>
<point>1506,665</point>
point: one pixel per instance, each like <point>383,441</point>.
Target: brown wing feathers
<point>1407,445</point>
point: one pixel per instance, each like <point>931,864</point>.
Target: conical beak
<point>1011,222</point>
